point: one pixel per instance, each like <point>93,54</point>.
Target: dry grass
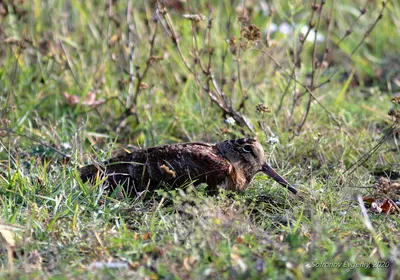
<point>80,80</point>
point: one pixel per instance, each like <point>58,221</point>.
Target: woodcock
<point>230,165</point>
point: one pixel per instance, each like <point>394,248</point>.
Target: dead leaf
<point>146,236</point>
<point>89,100</point>
<point>386,206</point>
<point>369,199</point>
<point>239,240</point>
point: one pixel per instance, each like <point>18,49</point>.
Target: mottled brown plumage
<point>231,165</point>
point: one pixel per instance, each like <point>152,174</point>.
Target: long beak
<point>272,173</point>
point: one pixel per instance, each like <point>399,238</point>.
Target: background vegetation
<point>312,81</point>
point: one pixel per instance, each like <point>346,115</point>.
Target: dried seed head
<point>194,17</point>
<point>396,99</point>
<point>232,41</point>
<point>224,81</point>
<point>383,185</point>
<point>328,20</point>
<point>243,18</point>
<point>348,32</point>
<point>143,86</point>
<point>315,6</point>
<point>251,32</point>
<point>244,45</point>
<point>363,10</point>
<point>232,44</point>
<point>261,109</point>
<point>395,114</point>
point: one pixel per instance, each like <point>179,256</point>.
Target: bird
<point>230,165</point>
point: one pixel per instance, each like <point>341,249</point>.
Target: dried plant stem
<point>350,30</point>
<point>368,154</point>
<point>238,60</point>
<point>223,57</point>
<point>239,75</point>
<point>349,56</point>
<point>131,109</point>
<point>141,77</point>
<point>296,63</point>
<point>302,85</point>
<point>217,97</point>
<point>197,59</point>
<point>314,66</point>
<point>130,52</point>
<point>327,40</point>
<point>36,140</point>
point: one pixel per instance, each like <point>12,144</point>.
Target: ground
<point>81,81</point>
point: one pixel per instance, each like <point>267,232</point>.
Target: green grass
<point>61,226</point>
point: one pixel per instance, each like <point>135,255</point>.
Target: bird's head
<point>248,155</point>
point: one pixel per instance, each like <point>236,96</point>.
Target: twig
<point>139,78</point>
<point>304,86</point>
<point>130,50</point>
<point>242,104</point>
<point>349,31</point>
<point>146,69</point>
<point>197,59</point>
<point>36,140</point>
<point>349,56</point>
<point>223,57</point>
<point>218,97</point>
<point>296,62</point>
<point>314,66</point>
<point>327,40</point>
<point>368,154</point>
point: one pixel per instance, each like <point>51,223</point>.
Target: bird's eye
<point>247,149</point>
